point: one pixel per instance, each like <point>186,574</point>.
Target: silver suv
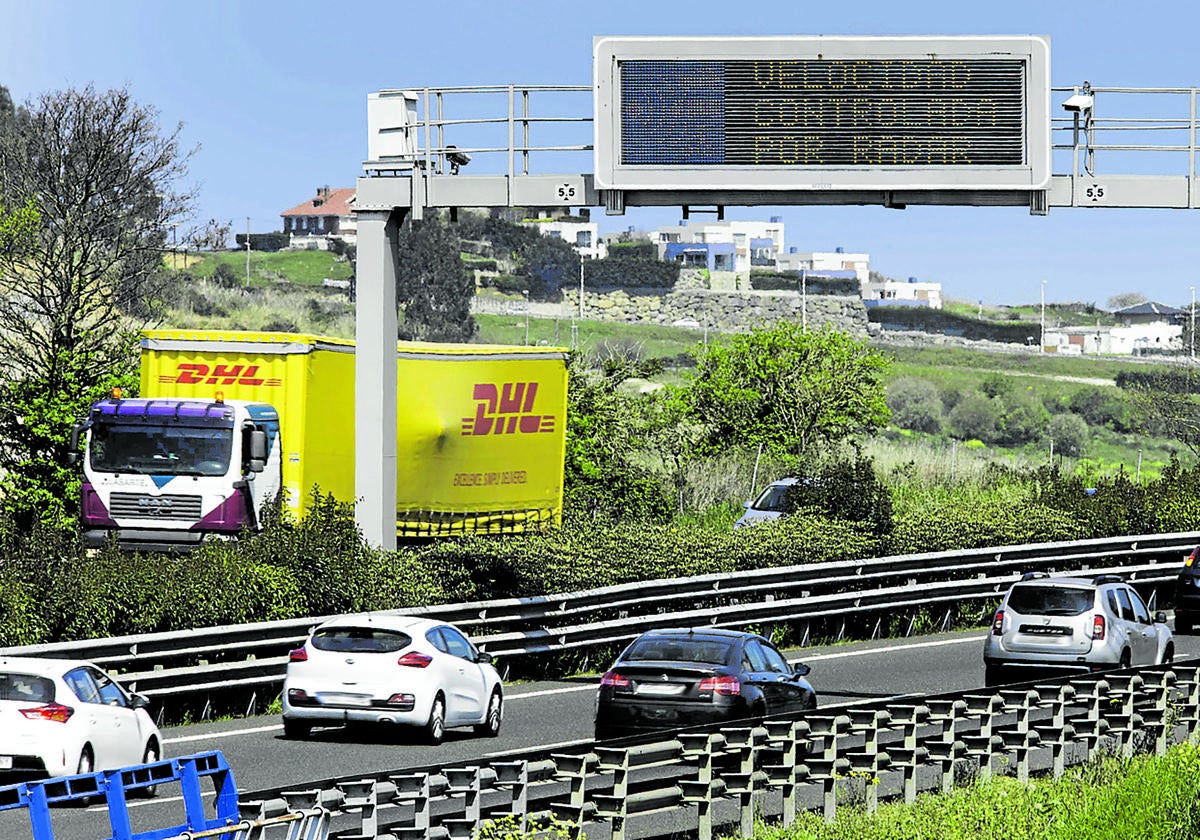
<point>1071,625</point>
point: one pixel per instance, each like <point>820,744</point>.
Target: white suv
<point>1072,625</point>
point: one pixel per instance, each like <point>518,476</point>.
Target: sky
<point>272,101</point>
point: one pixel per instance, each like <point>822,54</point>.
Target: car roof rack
<point>1034,575</point>
<point>1099,579</point>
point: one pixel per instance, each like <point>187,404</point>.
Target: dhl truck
<point>228,422</point>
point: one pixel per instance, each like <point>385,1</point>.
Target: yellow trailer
<point>480,443</point>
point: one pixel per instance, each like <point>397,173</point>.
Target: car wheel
<point>435,728</point>
<point>150,756</point>
<point>1183,623</point>
<point>490,727</point>
<point>1168,654</point>
<point>296,730</point>
<point>87,764</point>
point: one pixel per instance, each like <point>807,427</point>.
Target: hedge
<point>790,281</point>
<point>924,319</point>
<point>620,272</point>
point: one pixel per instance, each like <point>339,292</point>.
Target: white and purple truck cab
<point>168,474</point>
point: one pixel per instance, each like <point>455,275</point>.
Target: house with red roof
<point>328,214</point>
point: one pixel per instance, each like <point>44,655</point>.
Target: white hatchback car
<point>391,669</point>
<point>60,717</point>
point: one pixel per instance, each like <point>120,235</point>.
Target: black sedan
<point>670,679</point>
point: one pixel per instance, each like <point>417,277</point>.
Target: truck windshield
<point>160,450</point>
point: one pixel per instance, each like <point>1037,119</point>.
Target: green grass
<point>301,268</point>
<point>1144,798</point>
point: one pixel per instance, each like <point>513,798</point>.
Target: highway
<point>543,715</point>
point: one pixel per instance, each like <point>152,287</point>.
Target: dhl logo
<point>506,410</point>
<point>196,373</point>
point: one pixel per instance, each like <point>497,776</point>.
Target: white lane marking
<point>229,734</point>
<point>551,691</point>
<point>543,747</point>
<point>978,640</point>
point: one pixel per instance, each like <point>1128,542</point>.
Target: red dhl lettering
<point>506,410</point>
<point>198,373</point>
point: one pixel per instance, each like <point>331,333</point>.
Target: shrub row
<point>923,319</point>
<point>626,272</point>
<point>814,284</point>
<point>52,591</point>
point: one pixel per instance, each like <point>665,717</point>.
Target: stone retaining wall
<point>721,310</point>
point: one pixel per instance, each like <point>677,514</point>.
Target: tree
<point>915,405</point>
<point>101,177</point>
<point>1169,412</point>
<point>791,390</point>
<point>433,287</point>
<point>1126,299</point>
<point>213,236</point>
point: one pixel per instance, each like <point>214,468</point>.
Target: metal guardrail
<point>717,781</point>
<point>192,663</point>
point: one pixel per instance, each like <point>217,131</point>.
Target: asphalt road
<point>537,715</point>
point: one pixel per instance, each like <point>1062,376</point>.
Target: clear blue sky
<point>273,95</point>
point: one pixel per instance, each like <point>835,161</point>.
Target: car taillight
<point>413,659</point>
<point>614,679</point>
<point>724,685</point>
<point>51,711</point>
<point>1098,627</point>
<point>1191,558</point>
<point>998,623</point>
<point>298,655</point>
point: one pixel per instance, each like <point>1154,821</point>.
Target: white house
<point>327,215</point>
<point>755,244</point>
<point>1133,339</point>
<point>891,292</point>
<point>584,237</point>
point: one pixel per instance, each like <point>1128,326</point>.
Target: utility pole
<point>1042,337</point>
<point>1192,336</point>
<point>526,293</point>
<point>247,250</point>
<point>804,300</point>
<point>580,288</point>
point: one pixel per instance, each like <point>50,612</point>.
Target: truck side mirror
<point>73,452</point>
<point>258,450</point>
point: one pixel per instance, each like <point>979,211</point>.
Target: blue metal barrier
<point>117,786</point>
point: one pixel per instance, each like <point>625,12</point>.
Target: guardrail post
<point>790,737</point>
<point>1125,722</point>
<point>575,769</point>
<point>827,767</point>
<point>984,744</point>
<point>414,788</point>
<point>1094,726</point>
<point>1161,686</point>
<point>1187,687</point>
<point>747,741</point>
<point>464,782</point>
<point>514,776</point>
<point>1058,734</point>
<point>870,761</point>
<point>908,757</point>
<point>362,796</point>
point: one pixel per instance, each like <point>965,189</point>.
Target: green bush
<point>1069,433</point>
<point>812,284</point>
<point>974,418</point>
<point>924,319</point>
<point>916,404</point>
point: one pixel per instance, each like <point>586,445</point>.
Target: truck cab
<point>167,474</point>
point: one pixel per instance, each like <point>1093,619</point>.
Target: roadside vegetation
<point>1142,798</point>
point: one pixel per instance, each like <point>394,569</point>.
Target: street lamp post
<point>1042,337</point>
<point>526,293</point>
<point>804,300</point>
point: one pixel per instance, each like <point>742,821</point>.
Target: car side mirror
<point>138,701</point>
<point>747,505</point>
<point>1160,617</point>
<point>801,670</point>
<point>484,658</point>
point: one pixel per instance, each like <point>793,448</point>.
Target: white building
<point>755,244</point>
<point>584,237</point>
<point>891,292</point>
<point>1119,341</point>
<point>818,261</point>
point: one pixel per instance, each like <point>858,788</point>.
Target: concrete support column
<point>375,376</point>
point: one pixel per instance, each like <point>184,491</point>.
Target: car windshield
<point>26,688</point>
<point>1050,600</point>
<point>658,649</point>
<point>360,640</point>
<point>774,498</point>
